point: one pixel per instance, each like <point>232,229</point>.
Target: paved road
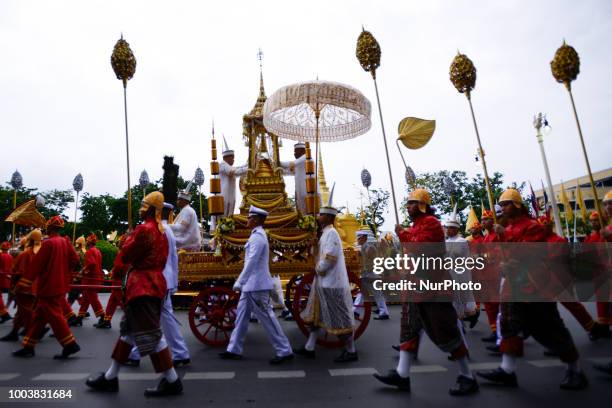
<point>252,382</point>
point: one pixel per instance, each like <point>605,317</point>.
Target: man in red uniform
<point>606,233</point>
<point>437,319</point>
<point>491,276</point>
<point>146,250</point>
<point>6,265</point>
<point>26,299</point>
<point>541,319</point>
<point>116,297</point>
<point>51,267</point>
<point>92,275</point>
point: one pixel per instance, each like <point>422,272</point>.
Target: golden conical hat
<point>27,214</point>
<point>414,133</point>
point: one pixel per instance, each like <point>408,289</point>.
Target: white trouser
<point>379,298</point>
<point>258,302</point>
<point>171,328</point>
<point>130,340</point>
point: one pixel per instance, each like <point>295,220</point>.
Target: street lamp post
<point>540,123</point>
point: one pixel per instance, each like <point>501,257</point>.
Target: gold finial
<point>565,66</point>
<point>368,52</point>
<point>463,74</point>
<point>123,61</point>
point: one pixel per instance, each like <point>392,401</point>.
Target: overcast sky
<point>61,107</point>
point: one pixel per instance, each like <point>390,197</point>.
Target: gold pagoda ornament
<point>215,200</point>
<point>124,65</point>
<point>565,68</point>
<point>463,77</point>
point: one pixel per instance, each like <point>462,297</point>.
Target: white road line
<point>546,363</point>
<point>138,376</point>
<point>600,359</point>
<point>281,374</point>
<point>485,366</point>
<point>8,376</point>
<point>217,375</point>
<point>427,369</point>
<point>339,372</point>
<point>61,377</point>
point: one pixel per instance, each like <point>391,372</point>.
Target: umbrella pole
<point>316,197</point>
<point>386,152</point>
<point>14,206</point>
<point>127,153</point>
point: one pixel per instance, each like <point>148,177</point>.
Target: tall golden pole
<point>463,77</point>
<point>14,206</point>
<point>77,185</point>
<point>16,183</point>
<point>124,65</point>
<point>565,67</point>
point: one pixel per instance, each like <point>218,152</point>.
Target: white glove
<point>237,287</point>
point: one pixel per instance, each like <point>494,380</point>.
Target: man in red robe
<point>491,276</point>
<point>437,319</point>
<point>541,319</point>
<point>50,267</point>
<point>116,297</point>
<point>92,275</point>
<point>6,265</point>
<point>26,299</point>
<point>146,250</point>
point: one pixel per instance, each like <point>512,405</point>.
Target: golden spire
<point>261,99</point>
<point>322,183</point>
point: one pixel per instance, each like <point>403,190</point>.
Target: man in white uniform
<point>298,169</point>
<point>255,285</point>
<point>330,304</point>
<point>369,250</point>
<point>171,328</point>
<point>228,174</point>
<point>186,227</point>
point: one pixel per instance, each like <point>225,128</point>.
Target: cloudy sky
<point>61,107</point>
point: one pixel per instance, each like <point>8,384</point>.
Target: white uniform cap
<point>299,145</point>
<point>451,223</point>
<point>257,211</point>
<point>364,233</point>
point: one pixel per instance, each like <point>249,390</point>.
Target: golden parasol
<point>27,215</point>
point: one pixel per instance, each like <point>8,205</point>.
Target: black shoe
<point>253,320</point>
<point>604,368</point>
<point>165,388</point>
<point>25,352</point>
<point>382,317</point>
<point>493,349</point>
<point>281,359</point>
<point>574,381</point>
<point>289,318</point>
<point>23,332</point>
<point>376,311</point>
<point>284,314</point>
<point>464,386</point>
<point>396,347</point>
<point>226,355</point>
<point>550,353</point>
<point>100,383</point>
<point>393,378</point>
<point>12,336</point>
<point>132,363</point>
<point>5,318</point>
<point>75,321</point>
<point>178,363</point>
<point>103,324</point>
<point>599,331</point>
<point>499,376</point>
<point>472,319</point>
<point>346,357</point>
<point>87,314</point>
<point>310,354</point>
<point>492,338</point>
<point>67,351</point>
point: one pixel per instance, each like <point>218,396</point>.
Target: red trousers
<point>49,310</point>
<point>492,308</point>
<point>90,297</point>
<point>116,299</point>
<point>604,313</point>
<point>67,309</point>
<point>25,310</point>
<point>580,313</point>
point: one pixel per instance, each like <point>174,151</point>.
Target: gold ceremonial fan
<point>414,133</point>
<point>27,215</point>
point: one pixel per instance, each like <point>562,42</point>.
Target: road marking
<point>61,377</point>
<point>339,372</point>
<point>281,374</point>
<point>218,375</point>
<point>600,359</point>
<point>427,369</point>
<point>484,366</point>
<point>8,376</point>
<point>138,376</point>
<point>546,363</point>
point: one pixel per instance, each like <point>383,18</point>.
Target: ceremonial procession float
<point>311,111</point>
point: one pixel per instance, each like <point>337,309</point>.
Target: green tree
<point>378,201</point>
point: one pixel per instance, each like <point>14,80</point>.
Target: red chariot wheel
<point>212,315</point>
<point>302,291</point>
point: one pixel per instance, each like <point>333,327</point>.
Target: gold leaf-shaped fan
<point>414,133</point>
<point>27,215</point>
